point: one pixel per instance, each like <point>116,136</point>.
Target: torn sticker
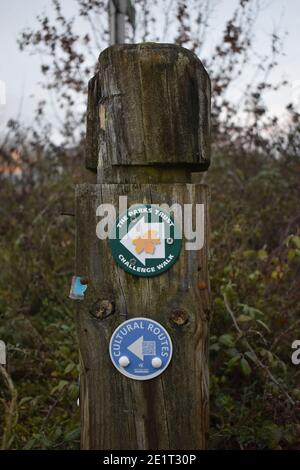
<point>78,288</point>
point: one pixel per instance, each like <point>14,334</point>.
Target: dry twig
<point>10,409</point>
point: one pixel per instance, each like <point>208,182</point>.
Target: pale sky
<point>21,72</point>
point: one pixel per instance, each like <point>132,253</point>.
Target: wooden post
<point>148,124</point>
<point>118,11</point>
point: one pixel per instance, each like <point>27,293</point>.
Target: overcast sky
<point>21,72</point>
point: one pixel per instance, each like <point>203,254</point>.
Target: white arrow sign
<point>137,348</point>
<point>141,348</point>
<point>139,230</point>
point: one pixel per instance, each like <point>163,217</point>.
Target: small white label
<point>2,353</point>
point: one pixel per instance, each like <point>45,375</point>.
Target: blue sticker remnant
<point>140,348</point>
<point>77,288</point>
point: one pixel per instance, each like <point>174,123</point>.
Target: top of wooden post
<point>148,106</point>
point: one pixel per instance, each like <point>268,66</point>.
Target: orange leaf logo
<point>146,242</point>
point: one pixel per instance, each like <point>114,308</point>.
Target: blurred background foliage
<point>255,247</point>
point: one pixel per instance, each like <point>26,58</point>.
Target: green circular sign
<point>145,240</point>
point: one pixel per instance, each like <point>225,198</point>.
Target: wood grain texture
<point>169,411</point>
<point>93,129</point>
<point>156,103</point>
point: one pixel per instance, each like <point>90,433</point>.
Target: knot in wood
<point>102,309</point>
<point>179,317</point>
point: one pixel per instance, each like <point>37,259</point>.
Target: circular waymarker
<point>140,348</point>
<point>145,240</point>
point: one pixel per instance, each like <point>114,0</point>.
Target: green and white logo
<point>145,240</point>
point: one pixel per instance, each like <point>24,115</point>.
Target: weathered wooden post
<point>148,125</point>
